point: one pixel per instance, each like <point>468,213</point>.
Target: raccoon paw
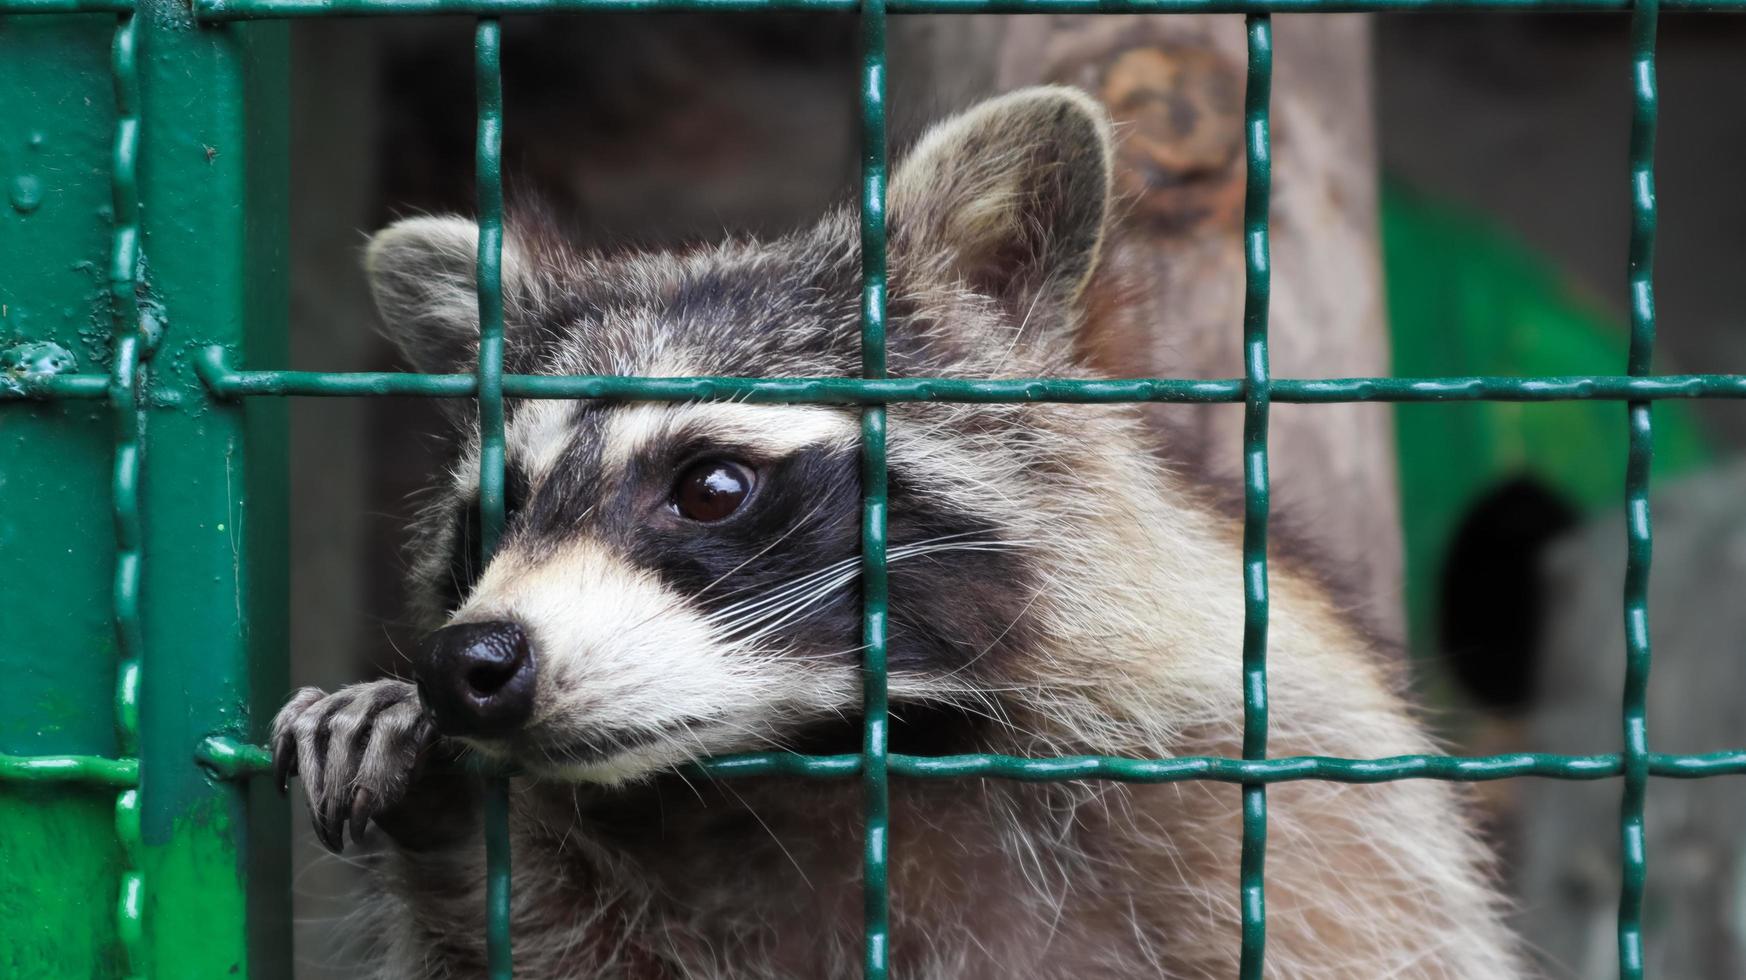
<point>355,750</point>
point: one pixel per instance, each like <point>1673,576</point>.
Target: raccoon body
<point>678,580</point>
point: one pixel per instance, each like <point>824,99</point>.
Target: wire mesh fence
<point>125,392</point>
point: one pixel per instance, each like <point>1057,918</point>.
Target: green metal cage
<point>187,641</point>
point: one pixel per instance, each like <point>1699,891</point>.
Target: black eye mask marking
<point>780,566</point>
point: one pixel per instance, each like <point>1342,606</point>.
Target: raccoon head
<point>680,579</point>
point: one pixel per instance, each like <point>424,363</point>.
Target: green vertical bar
<point>487,47</point>
<point>874,593</point>
<point>212,148</point>
<point>1634,860</point>
<point>1256,400</point>
<point>125,385</point>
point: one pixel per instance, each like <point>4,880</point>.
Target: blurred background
<point>1451,198</point>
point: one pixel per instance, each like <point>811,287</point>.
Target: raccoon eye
<point>711,491</point>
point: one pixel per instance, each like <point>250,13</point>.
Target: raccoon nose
<point>477,678</point>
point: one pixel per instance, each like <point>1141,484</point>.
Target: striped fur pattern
<point>1056,588</point>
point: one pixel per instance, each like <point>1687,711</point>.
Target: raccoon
<point>679,580</point>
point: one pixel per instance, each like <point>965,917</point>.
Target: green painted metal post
<point>213,149</point>
<point>147,221</point>
<point>61,860</point>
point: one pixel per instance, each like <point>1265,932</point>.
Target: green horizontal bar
<point>66,6</point>
<point>1545,388</point>
<point>1296,768</point>
<point>91,769</point>
<point>231,759</point>
<point>857,391</point>
<point>1207,769</point>
<point>60,386</point>
<point>235,760</point>
<point>227,383</point>
<point>273,9</point>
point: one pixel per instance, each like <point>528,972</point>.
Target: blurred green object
<point>1466,297</point>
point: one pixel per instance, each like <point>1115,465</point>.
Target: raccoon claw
<point>355,751</point>
<point>284,740</point>
<point>284,765</point>
<point>361,811</point>
<point>330,826</point>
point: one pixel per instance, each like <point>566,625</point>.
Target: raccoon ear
<point>1011,196</point>
<point>422,273</point>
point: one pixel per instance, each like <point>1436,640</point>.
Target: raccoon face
<point>680,579</point>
